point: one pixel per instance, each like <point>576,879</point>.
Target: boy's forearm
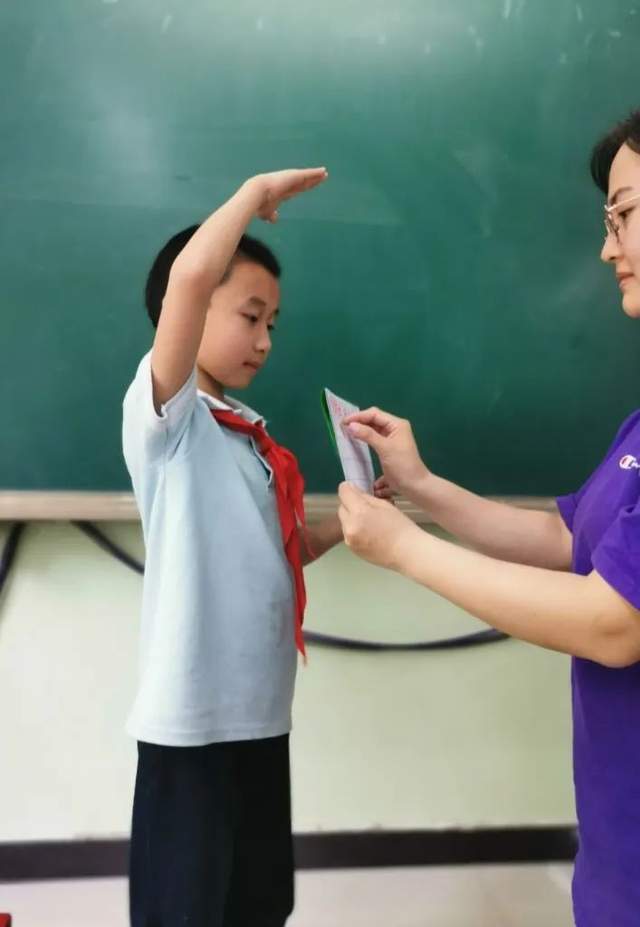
<point>499,530</point>
<point>320,538</point>
<point>206,256</point>
<point>196,272</point>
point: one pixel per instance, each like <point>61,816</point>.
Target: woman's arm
<point>579,615</point>
<point>496,529</point>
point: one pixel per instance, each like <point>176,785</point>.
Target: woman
<point>567,580</point>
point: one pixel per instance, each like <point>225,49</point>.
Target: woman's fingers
<point>364,433</point>
<point>374,418</point>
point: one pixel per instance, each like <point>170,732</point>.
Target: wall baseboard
<point>76,859</point>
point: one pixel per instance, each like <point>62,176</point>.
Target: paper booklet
<point>354,455</point>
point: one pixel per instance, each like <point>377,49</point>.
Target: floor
<point>465,896</point>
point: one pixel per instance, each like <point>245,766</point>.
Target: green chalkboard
<point>448,271</point>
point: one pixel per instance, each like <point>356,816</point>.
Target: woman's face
<point>622,251</point>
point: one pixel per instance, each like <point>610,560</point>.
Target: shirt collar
<point>232,405</point>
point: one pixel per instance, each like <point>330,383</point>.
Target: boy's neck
<point>208,385</point>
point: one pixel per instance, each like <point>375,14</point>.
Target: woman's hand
<point>373,528</point>
<point>392,440</point>
<point>382,490</point>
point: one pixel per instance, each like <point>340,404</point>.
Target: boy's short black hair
<point>250,249</point>
<point>625,132</point>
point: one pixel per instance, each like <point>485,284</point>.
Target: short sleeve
<point>617,556</point>
<point>146,434</point>
<point>567,507</point>
<point>568,504</point>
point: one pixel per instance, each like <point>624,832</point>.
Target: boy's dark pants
<point>211,838</point>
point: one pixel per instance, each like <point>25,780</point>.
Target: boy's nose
<point>264,341</point>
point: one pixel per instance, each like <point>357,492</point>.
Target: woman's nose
<point>610,248</point>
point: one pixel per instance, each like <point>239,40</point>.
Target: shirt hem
<point>202,738</point>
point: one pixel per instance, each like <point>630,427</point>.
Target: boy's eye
<point>271,328</point>
<point>624,213</point>
<point>252,318</point>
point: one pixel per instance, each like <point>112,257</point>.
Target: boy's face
<point>236,340</point>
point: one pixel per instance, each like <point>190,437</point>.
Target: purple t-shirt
<point>604,518</point>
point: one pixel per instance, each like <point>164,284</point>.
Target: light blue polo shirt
<point>217,647</point>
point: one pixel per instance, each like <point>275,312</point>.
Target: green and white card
<point>355,456</point>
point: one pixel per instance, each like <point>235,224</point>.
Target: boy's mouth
<point>252,365</point>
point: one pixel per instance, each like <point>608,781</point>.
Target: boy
<point>223,594</point>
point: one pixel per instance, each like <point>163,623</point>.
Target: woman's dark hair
<point>625,133</point>
<point>250,249</point>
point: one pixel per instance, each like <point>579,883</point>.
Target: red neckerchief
<point>289,486</point>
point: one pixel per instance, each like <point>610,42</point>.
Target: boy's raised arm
<point>200,266</point>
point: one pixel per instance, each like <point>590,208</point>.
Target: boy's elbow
<point>189,275</point>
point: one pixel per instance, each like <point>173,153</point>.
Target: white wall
<point>471,738</point>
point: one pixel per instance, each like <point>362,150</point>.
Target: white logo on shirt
<point>629,462</point>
